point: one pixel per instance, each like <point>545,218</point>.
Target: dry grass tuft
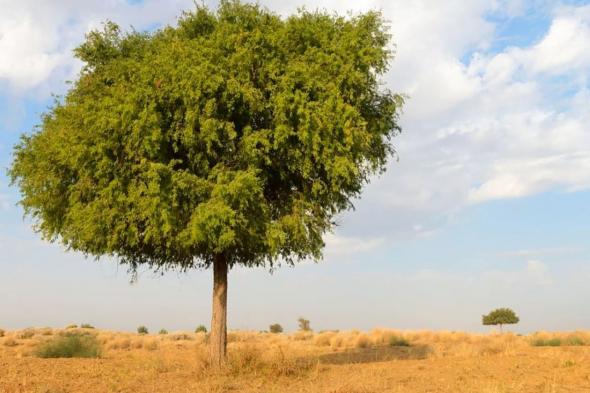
<point>47,331</point>
<point>302,336</point>
<point>324,339</point>
<point>25,334</point>
<point>121,343</point>
<point>151,344</point>
<point>10,342</point>
<point>363,341</point>
<point>180,336</point>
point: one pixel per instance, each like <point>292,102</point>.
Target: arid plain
<point>333,362</point>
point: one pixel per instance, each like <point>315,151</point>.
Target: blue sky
<point>487,206</point>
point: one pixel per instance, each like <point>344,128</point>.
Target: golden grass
<point>263,362</point>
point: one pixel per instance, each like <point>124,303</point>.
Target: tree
<point>303,324</point>
<point>500,316</point>
<point>276,328</point>
<point>201,329</point>
<point>231,139</point>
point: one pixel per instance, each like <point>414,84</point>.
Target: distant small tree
<point>276,328</point>
<point>304,324</point>
<point>163,331</point>
<point>142,330</point>
<point>500,316</point>
<point>201,329</point>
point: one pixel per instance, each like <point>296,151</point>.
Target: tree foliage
<point>276,328</point>
<point>236,132</point>
<point>303,324</point>
<point>500,316</point>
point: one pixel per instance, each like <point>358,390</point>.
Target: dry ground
<point>303,362</point>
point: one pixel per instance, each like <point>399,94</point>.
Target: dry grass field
<point>331,362</point>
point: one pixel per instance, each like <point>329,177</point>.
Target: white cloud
<point>500,126</point>
<point>566,46</point>
<point>37,38</point>
<point>340,245</point>
<point>551,251</point>
<point>539,272</point>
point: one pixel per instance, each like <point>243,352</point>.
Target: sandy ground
<point>456,362</point>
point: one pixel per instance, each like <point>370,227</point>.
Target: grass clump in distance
<point>396,341</point>
<point>70,345</point>
<point>552,342</point>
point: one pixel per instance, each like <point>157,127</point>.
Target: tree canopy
<point>500,316</point>
<point>236,132</point>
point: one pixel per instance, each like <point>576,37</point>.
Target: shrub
<point>72,326</point>
<point>201,329</point>
<point>25,334</point>
<point>163,331</point>
<point>70,345</point>
<point>362,341</point>
<point>86,326</point>
<point>2,332</point>
<point>276,328</point>
<point>46,331</point>
<point>337,341</point>
<point>142,330</point>
<point>138,343</point>
<point>303,324</point>
<point>302,336</point>
<point>179,337</point>
<point>575,341</point>
<point>10,342</point>
<point>553,342</point>
<point>123,343</point>
<point>324,339</point>
<point>151,345</point>
<point>396,341</point>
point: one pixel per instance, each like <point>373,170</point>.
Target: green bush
<point>142,330</point>
<point>163,331</point>
<point>86,326</point>
<point>553,342</point>
<point>575,341</point>
<point>201,329</point>
<point>70,345</point>
<point>396,341</point>
<point>276,328</point>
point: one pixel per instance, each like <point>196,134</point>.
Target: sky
<point>485,206</point>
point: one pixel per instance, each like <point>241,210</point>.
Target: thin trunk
<point>501,329</point>
<point>218,337</point>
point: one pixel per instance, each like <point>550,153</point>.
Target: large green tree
<point>233,138</point>
<point>500,316</point>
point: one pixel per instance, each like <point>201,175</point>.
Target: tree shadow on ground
<point>377,354</point>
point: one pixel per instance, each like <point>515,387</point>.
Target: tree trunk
<point>218,337</point>
<point>501,329</point>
